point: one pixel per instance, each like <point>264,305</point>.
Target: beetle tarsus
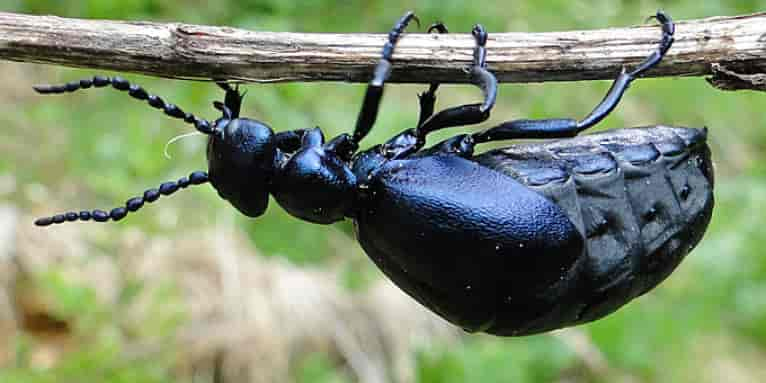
<point>439,27</point>
<point>668,29</point>
<point>480,53</point>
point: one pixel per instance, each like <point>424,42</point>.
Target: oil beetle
<point>514,241</point>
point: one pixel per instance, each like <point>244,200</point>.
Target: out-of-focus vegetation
<point>96,148</point>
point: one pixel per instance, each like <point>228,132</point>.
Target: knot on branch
<point>726,79</point>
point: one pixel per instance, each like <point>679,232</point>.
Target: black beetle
<point>514,241</point>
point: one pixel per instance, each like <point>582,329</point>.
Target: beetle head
<point>241,154</point>
<point>246,162</point>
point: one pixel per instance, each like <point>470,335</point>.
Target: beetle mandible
<point>514,241</point>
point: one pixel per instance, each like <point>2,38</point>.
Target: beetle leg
<point>427,99</point>
<point>131,205</point>
<point>561,127</point>
<point>233,98</point>
<point>623,81</point>
<point>516,129</point>
<point>289,141</point>
<point>412,140</point>
<point>471,113</point>
<point>372,98</point>
<point>134,91</point>
<point>461,145</point>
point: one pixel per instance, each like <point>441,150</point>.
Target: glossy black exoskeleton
<point>514,241</point>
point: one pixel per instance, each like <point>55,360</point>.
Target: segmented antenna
<point>134,91</point>
<point>132,205</point>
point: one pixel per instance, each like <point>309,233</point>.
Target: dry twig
<point>203,52</point>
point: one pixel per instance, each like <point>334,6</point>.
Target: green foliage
<point>317,368</point>
<point>486,359</point>
<point>114,348</point>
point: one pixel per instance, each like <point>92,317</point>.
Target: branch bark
<point>203,52</point>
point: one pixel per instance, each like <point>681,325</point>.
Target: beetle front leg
<point>374,94</point>
<point>232,100</point>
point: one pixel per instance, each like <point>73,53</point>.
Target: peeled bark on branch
<point>176,50</point>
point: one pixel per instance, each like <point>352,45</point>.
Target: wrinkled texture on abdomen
<point>642,198</point>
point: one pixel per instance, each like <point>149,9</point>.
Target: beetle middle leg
<point>412,140</point>
<point>427,99</point>
<point>567,127</point>
<point>471,113</point>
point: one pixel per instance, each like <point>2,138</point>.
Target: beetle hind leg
<point>622,82</point>
<point>567,127</point>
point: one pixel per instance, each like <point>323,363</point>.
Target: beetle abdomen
<point>467,242</point>
<point>642,197</point>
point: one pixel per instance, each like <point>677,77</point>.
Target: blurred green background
<point>96,148</point>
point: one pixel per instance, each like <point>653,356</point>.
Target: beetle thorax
<point>314,183</point>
